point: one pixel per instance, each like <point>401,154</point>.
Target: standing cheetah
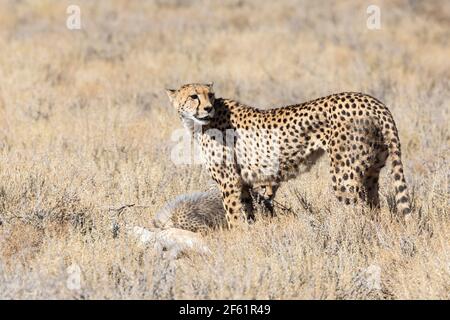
<point>243,146</point>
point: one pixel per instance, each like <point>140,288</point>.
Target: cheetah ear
<point>171,93</point>
<point>210,85</point>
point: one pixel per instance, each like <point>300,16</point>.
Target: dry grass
<point>85,126</point>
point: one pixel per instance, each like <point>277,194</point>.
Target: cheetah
<point>196,212</point>
<point>201,212</point>
<point>243,145</point>
<point>263,194</point>
<point>178,226</point>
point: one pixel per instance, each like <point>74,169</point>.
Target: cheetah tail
<point>401,191</point>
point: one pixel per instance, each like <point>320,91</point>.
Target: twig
<point>126,206</point>
<point>283,207</point>
<point>122,208</point>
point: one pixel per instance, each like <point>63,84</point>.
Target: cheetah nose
<point>208,109</point>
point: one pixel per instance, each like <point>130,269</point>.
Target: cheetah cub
<point>177,227</point>
<point>204,211</point>
<point>243,145</point>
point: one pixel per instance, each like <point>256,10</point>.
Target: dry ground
<point>85,127</point>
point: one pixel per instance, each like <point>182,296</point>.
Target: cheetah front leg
<point>233,192</point>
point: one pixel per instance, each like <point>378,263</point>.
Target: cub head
<point>193,102</point>
<point>265,191</point>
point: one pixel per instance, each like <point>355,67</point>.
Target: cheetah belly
<point>262,162</point>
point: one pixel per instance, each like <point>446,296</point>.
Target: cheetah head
<point>265,191</point>
<point>194,102</point>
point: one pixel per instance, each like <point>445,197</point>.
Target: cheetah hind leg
<point>370,193</point>
<point>371,189</point>
<point>346,186</point>
<point>359,190</point>
<point>352,191</point>
<point>371,181</point>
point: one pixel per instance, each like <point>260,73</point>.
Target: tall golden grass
<point>85,127</point>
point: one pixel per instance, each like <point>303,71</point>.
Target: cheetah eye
<point>193,97</point>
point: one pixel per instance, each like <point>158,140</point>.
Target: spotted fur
<point>244,146</point>
<point>204,211</point>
